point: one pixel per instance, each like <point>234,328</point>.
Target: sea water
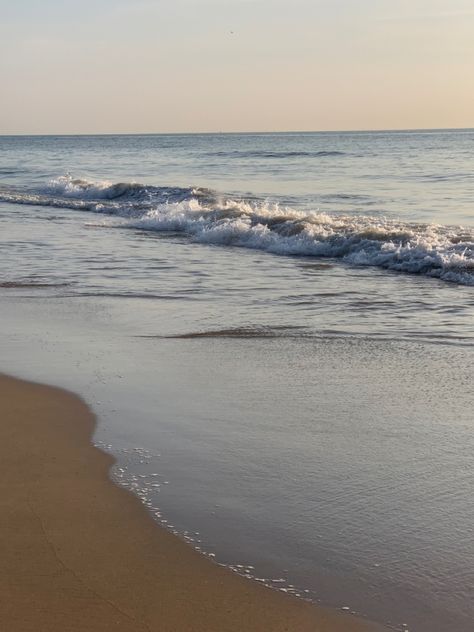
<point>276,332</point>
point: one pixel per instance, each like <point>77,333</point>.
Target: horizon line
<point>241,133</point>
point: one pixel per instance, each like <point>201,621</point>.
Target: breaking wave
<point>84,190</point>
<point>444,252</point>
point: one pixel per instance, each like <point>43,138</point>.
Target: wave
<point>444,252</point>
<point>300,332</point>
<point>263,331</point>
<point>82,189</point>
<point>29,284</point>
<point>277,154</point>
<point>126,199</point>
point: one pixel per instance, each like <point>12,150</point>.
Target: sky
<point>145,66</point>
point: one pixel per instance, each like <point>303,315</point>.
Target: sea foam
<point>444,252</point>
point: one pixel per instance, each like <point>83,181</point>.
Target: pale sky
<point>123,66</point>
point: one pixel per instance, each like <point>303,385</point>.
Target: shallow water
<point>287,320</point>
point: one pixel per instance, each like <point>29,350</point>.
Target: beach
<point>78,553</point>
<point>274,333</point>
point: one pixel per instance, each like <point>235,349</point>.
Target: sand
<point>79,553</point>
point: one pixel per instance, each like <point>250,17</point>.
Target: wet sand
<point>80,554</point>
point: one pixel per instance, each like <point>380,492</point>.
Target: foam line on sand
<point>79,553</point>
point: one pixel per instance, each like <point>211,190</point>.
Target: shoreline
<point>81,553</point>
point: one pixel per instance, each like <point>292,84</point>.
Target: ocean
<point>276,333</point>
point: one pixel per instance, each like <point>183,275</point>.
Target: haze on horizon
<point>118,66</point>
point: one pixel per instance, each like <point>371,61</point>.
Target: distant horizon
<point>249,133</point>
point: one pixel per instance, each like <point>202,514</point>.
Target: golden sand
<point>79,553</point>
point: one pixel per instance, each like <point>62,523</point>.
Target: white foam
<point>433,250</point>
<point>80,188</point>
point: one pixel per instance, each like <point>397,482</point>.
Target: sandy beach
<point>79,553</point>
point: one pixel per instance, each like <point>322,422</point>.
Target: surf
<point>205,216</point>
